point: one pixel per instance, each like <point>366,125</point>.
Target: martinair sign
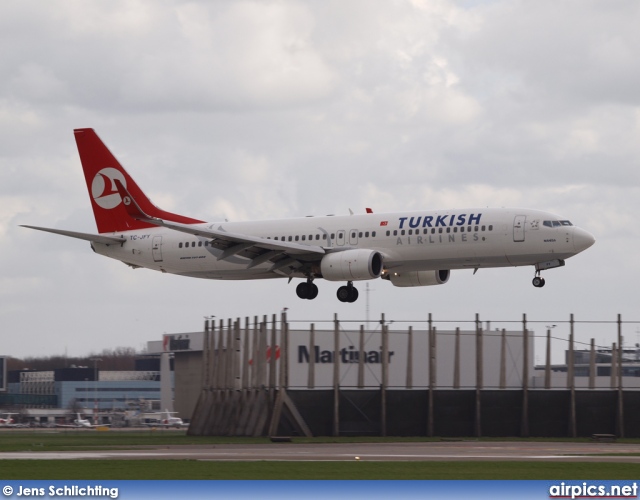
<point>311,365</point>
<point>408,359</point>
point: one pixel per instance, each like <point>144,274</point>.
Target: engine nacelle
<point>351,265</point>
<point>419,278</point>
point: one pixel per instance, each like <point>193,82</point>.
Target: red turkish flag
<point>384,222</point>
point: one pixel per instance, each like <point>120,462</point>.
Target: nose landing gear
<point>538,281</point>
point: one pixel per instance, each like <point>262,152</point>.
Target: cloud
<point>262,110</point>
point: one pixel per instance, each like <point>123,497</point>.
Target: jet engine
<point>351,265</point>
<point>419,278</point>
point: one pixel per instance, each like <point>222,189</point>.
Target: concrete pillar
<point>336,376</point>
<point>592,365</point>
<point>361,356</point>
<point>409,383</point>
<point>456,361</point>
<point>166,387</point>
<point>620,412</point>
<point>479,380</point>
<point>311,376</point>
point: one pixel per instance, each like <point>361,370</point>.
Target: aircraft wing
<point>258,250</point>
<point>107,240</point>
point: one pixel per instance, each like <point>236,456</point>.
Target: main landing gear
<point>347,293</point>
<point>538,281</point>
<point>307,290</point>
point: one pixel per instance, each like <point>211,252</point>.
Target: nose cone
<point>582,239</point>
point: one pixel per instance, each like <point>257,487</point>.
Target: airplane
<point>83,423</point>
<point>7,420</point>
<point>409,249</point>
<point>168,421</point>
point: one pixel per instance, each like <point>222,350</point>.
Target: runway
<point>430,451</point>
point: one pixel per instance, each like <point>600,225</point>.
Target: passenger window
<point>490,228</point>
<point>366,234</point>
<point>179,245</point>
<point>402,232</point>
<point>353,235</point>
<point>395,232</point>
<point>484,227</point>
<point>373,234</point>
<point>476,228</point>
<point>290,238</point>
<point>193,243</point>
<point>455,229</point>
<point>360,234</point>
<point>317,236</point>
<point>333,236</point>
<point>462,229</point>
<point>433,230</point>
<point>448,230</point>
<point>297,238</point>
<point>303,237</point>
<point>440,230</point>
<point>324,236</point>
<point>199,243</point>
<point>388,233</point>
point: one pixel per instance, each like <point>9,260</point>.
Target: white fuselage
<point>408,241</point>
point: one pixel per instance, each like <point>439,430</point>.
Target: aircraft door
<point>156,249</point>
<point>353,237</point>
<point>340,237</point>
<point>518,228</point>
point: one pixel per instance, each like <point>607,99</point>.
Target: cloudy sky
<point>273,109</point>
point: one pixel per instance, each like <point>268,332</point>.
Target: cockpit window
<point>556,223</point>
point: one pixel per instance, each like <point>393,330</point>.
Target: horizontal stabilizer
<point>107,240</point>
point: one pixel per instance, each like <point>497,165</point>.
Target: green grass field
<point>193,469</point>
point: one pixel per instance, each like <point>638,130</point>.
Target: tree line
<point>118,359</point>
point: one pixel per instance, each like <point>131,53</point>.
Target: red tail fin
<point>101,168</point>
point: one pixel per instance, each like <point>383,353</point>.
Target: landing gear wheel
<point>538,282</point>
<point>343,294</point>
<point>307,290</point>
<point>303,290</point>
<point>347,293</point>
<point>313,291</point>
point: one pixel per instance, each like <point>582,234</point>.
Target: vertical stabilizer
<point>101,169</point>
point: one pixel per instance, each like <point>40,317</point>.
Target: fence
<point>454,382</point>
